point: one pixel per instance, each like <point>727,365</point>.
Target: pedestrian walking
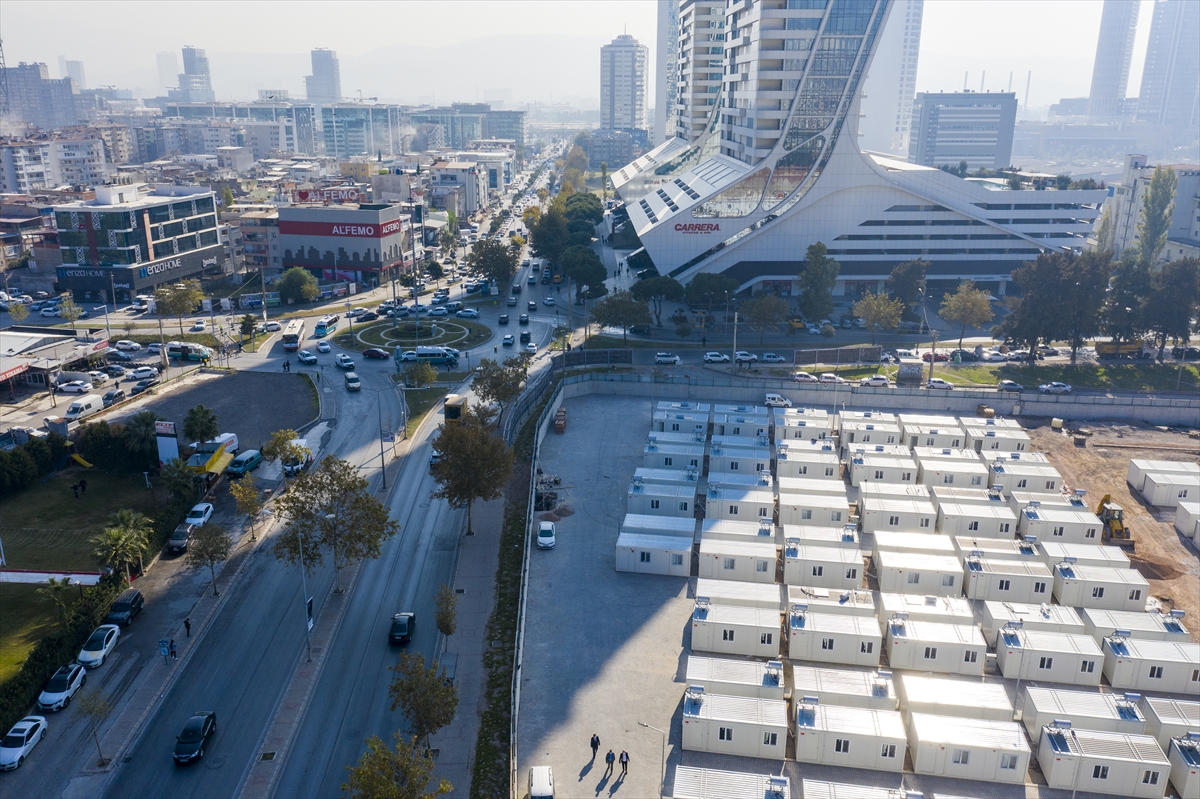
<point>595,745</point>
<point>608,762</point>
<point>704,341</point>
<point>174,656</point>
<point>83,486</point>
<point>187,626</point>
<point>624,762</point>
<point>75,488</point>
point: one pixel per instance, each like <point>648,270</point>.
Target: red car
<point>375,352</point>
<point>941,356</point>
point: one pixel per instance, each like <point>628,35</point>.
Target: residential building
<point>118,141</point>
<point>238,159</point>
<point>128,241</point>
<point>461,123</point>
<point>195,83</point>
<point>1125,209</point>
<point>459,186</point>
<point>35,98</point>
<point>324,86</point>
<point>887,106</point>
<point>364,243</point>
<point>502,124</point>
<point>701,62</point>
<point>300,131</point>
<point>623,76</point>
<point>361,129</point>
<point>611,147</point>
<point>28,166</point>
<point>260,237</point>
<point>1170,93</point>
<point>666,71</point>
<point>1114,52</point>
<point>951,127</point>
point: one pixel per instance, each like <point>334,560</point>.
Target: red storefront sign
<point>369,230</point>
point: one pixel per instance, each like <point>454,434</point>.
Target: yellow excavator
<point>1113,517</point>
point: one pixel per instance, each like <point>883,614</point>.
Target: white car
<point>98,378</point>
<point>716,357</point>
<point>142,373</point>
<point>939,383</point>
<point>1055,388</point>
<point>777,401</point>
<point>531,348</point>
<point>272,327</point>
<point>875,380</point>
<point>439,312</point>
<point>804,377</point>
<point>51,311</point>
<point>468,313</point>
<point>199,514</point>
<point>547,300</point>
<point>831,378</point>
<point>770,357</point>
<point>65,683</point>
<point>991,356</point>
<point>75,387</point>
<point>545,536</point>
<point>323,346</point>
<point>508,340</point>
<point>98,646</point>
<point>199,326</point>
<point>304,356</point>
<point>20,741</point>
<point>667,358</point>
<point>741,356</point>
<point>128,346</point>
<point>154,348</point>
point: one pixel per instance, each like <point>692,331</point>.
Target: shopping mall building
<point>365,243</point>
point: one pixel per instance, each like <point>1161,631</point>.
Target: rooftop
<point>1006,735</point>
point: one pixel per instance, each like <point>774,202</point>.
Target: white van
<point>541,783</point>
<point>777,401</point>
<point>83,407</point>
<point>294,467</point>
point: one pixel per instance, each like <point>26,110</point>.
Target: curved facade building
<point>777,168</point>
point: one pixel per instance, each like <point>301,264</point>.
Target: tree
<point>210,545</point>
<point>249,501</point>
<point>179,479</point>
<point>1085,284</point>
<point>500,383</point>
<point>1158,205</point>
<point>448,239</point>
<point>584,206</point>
<point>817,281</point>
<point>419,374</point>
<point>179,299</point>
<point>446,615</point>
<point>583,266</point>
<point>656,290</point>
<point>967,307</point>
<point>1036,315</point>
<point>493,260</point>
<point>404,773</point>
<point>763,311</point>
<point>297,285</point>
<point>280,448</point>
<point>427,699</point>
<point>138,528</point>
<point>879,311</point>
<point>549,235</point>
<point>18,312</point>
<point>200,424</point>
<point>70,311</point>
<point>1175,294</point>
<point>707,287</point>
<point>58,591</point>
<point>114,547</point>
<point>473,464</point>
<point>247,325</point>
<point>140,438</point>
<point>1125,306</point>
<point>226,197</point>
<point>905,283</point>
<point>330,507</point>
<point>92,706</point>
<point>604,181</point>
<point>621,309</point>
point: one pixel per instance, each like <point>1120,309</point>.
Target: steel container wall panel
<point>1049,657</point>
<point>1184,755</point>
<point>807,535</point>
<point>1159,666</point>
<point>750,678</point>
<point>995,549</point>
<point>937,648</point>
<point>848,601</point>
<point>850,737</point>
<point>1044,617</point>
<point>651,499</point>
<point>897,515</point>
<point>747,532</point>
<point>979,746</point>
<point>813,465</point>
<point>654,554</point>
<point>735,725</point>
<point>733,424</point>
<point>833,638</point>
<point>939,609</point>
<point>1112,763</point>
<point>879,469</point>
<point>980,521</point>
<point>817,510</point>
<point>738,503</point>
<point>1054,552</point>
<point>1169,489</point>
<point>1087,710</point>
<point>1006,580</point>
<point>1168,718</point>
<point>1026,477</point>
<point>1105,589</point>
<point>1187,520</point>
<point>912,573</point>
<point>960,474</point>
<point>733,592</point>
<point>679,422</point>
<point>822,567</point>
<point>732,560</point>
<point>681,477</point>
<point>734,630</point>
<point>1100,624</point>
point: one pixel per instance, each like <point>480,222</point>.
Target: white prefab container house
<point>857,434</point>
<point>738,503</point>
<point>910,421</point>
<point>752,678</point>
<point>697,437</point>
<point>674,477</point>
<point>809,414</point>
<point>850,601</point>
<point>1019,500</point>
<point>1170,718</point>
<point>987,442</point>
<point>980,521</point>
<point>758,532</point>
<point>878,468</point>
<point>872,688</point>
<point>939,648</point>
<point>1005,579</point>
<point>896,514</point>
<point>1184,754</point>
<point>641,524</point>
<point>1187,520</point>
<point>940,609</point>
<point>673,456</point>
<point>739,459</point>
<point>935,436</point>
<point>656,499</point>
<point>953,696</point>
<point>1100,624</point>
<point>924,455</point>
<point>914,573</point>
<point>851,737</point>
<point>760,480</point>
<point>892,491</point>
<point>1136,476</point>
<point>968,749</point>
<point>1097,555</point>
<point>680,422</point>
<point>732,592</point>
<point>1169,489</point>
<point>683,405</point>
<point>995,423</point>
<point>997,549</point>
<point>707,783</point>
<point>962,474</point>
<point>754,410</point>
<point>845,538</point>
<point>877,451</point>
<point>926,543</point>
<point>733,630</point>
<point>791,429</point>
<point>1163,666</point>
<point>1064,525</point>
<point>741,424</point>
<point>833,637</point>
<point>968,496</point>
<point>822,567</point>
<point>1114,763</point>
<point>804,485</point>
<point>740,441</point>
<point>1048,657</point>
<point>1095,587</point>
<point>737,560</point>
<point>654,554</point>
<point>1087,710</point>
<point>734,725</point>
<point>818,465</point>
<point>1044,617</point>
<point>814,510</point>
<point>1020,475</point>
<point>819,789</point>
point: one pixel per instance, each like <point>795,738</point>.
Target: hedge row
<point>21,466</point>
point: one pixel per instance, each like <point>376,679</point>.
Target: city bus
<point>454,407</point>
<point>326,325</point>
<point>292,334</point>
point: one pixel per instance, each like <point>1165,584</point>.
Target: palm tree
<point>58,591</point>
<point>179,479</point>
<point>137,527</point>
<point>140,437</point>
<point>200,424</point>
<point>114,547</point>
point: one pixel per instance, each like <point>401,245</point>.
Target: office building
<point>461,123</point>
<point>623,67</point>
<point>502,124</point>
<point>888,91</point>
<point>1125,209</point>
<point>195,83</point>
<point>1114,52</point>
<point>611,147</point>
<point>128,241</point>
<point>26,167</point>
<point>362,243</point>
<point>301,122</point>
<point>72,70</point>
<point>780,169</point>
<point>951,127</point>
<point>666,70</point>
<point>168,69</point>
<point>362,129</point>
<point>324,86</point>
<point>1170,93</point>
<point>701,62</point>
<point>35,98</point>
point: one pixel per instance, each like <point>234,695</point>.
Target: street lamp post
<point>662,779</point>
<point>308,622</point>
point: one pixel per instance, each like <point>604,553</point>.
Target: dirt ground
<point>1170,562</point>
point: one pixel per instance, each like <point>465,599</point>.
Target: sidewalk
<point>475,576</point>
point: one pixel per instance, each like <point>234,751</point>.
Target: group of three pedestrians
<point>610,758</point>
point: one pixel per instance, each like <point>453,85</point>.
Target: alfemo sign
<point>368,231</point>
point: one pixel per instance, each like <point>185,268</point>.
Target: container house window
<point>1005,585</point>
<point>842,745</point>
<point>1195,675</point>
<point>733,466</point>
<point>654,504</point>
<point>1149,777</point>
<point>725,733</point>
<point>893,520</point>
<point>973,526</point>
<point>818,571</point>
<point>1050,485</point>
<point>1058,531</point>
<point>765,638</point>
<point>1098,592</point>
<point>1156,672</point>
<point>962,756</point>
<point>695,464</point>
<point>931,653</point>
<point>1135,594</point>
<point>851,573</point>
<point>762,512</point>
<point>888,750</point>
<point>827,644</point>
<point>906,477</point>
<point>835,516</point>
<point>970,656</point>
<point>1045,663</point>
<point>1099,772</point>
<point>733,510</point>
<point>1091,533</point>
<point>948,479</point>
<point>1008,762</point>
<point>948,580</point>
<point>770,738</point>
<point>760,566</point>
<point>676,559</point>
<point>683,506</point>
<point>730,563</point>
<point>866,647</point>
<point>829,471</point>
<point>1021,483</point>
<point>667,460</point>
<point>924,522</point>
<point>1039,587</point>
<point>727,635</point>
<point>803,470</point>
<point>806,514</point>
<point>644,557</point>
<point>1087,666</point>
<point>1004,527</point>
<point>879,474</point>
<point>914,578</point>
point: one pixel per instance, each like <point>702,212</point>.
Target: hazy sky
<point>444,51</point>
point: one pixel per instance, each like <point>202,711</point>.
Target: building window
<point>842,745</point>
<point>970,656</point>
<point>1098,592</point>
<point>948,580</point>
<point>835,516</point>
<point>827,644</point>
<point>1091,533</point>
<point>765,638</point>
<point>829,471</point>
<point>962,756</point>
<point>803,470</point>
<point>851,573</point>
<point>1135,594</point>
<point>888,750</point>
<point>727,635</point>
<point>948,479</point>
<point>770,739</point>
<point>1099,772</point>
<point>1087,666</point>
<point>1156,672</point>
<point>1039,587</point>
<point>683,506</point>
<point>1045,663</point>
<point>973,526</point>
<point>977,480</point>
<point>667,461</point>
<point>762,512</point>
<point>1050,485</point>
<point>676,559</point>
<point>733,510</point>
<point>924,522</point>
<point>1005,585</point>
<point>1149,777</point>
<point>730,563</point>
<point>818,571</point>
<point>725,733</point>
<point>906,477</point>
<point>695,464</point>
<point>1021,483</point>
<point>1003,527</point>
<point>914,578</point>
<point>866,647</point>
<point>1058,531</point>
<point>644,557</point>
<point>1195,675</point>
<point>761,566</point>
<point>1008,762</point>
<point>805,514</point>
<point>879,474</point>
<point>733,466</point>
<point>931,653</point>
<point>893,520</point>
<point>654,504</point>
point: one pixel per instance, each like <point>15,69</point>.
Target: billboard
<point>332,194</point>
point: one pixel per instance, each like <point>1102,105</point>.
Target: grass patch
<point>27,617</point>
<point>206,339</point>
<point>1127,376</point>
<point>420,402</point>
<point>614,343</point>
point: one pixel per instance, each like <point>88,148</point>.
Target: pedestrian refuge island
<point>1086,710</point>
<point>734,725</point>
<point>736,592</point>
<point>848,601</point>
<point>1168,718</point>
<point>850,737</point>
<point>933,647</point>
<point>1100,624</point>
<point>1159,666</point>
<point>753,678</point>
<point>953,696</point>
<point>1042,617</point>
<point>968,749</point>
<point>707,783</point>
<point>734,630</point>
<point>1095,761</point>
<point>1067,658</point>
<point>833,638</point>
<point>653,554</point>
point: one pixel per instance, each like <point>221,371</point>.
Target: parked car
<point>181,537</point>
<point>246,461</point>
<point>716,357</point>
<point>20,740</point>
<point>143,385</point>
<point>98,646</point>
<point>323,346</point>
<point>50,311</point>
<point>939,383</point>
<point>666,358</point>
<point>199,514</point>
<point>875,380</point>
<point>992,356</point>
<point>938,357</point>
<point>376,354</point>
<point>545,536</point>
<point>304,356</point>
<point>770,357</point>
<point>831,378</point>
<point>1055,388</point>
<point>112,397</point>
<point>344,361</point>
<point>508,340</point>
<point>777,401</point>
<point>154,348</point>
<point>74,387</point>
<point>1010,385</point>
<point>142,373</point>
<point>98,378</point>
<point>1044,350</point>
<point>189,744</point>
<point>113,354</point>
<point>128,346</point>
<point>401,629</point>
<point>804,377</point>
<point>62,687</point>
<point>369,316</point>
<point>439,312</point>
<point>741,356</point>
<point>964,356</point>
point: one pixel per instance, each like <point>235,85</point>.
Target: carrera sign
<point>331,195</point>
<point>377,230</point>
<point>697,227</point>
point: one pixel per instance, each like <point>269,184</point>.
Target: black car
<point>143,385</point>
<point>369,316</point>
<point>118,355</point>
<point>402,628</point>
<point>114,370</point>
<point>516,289</point>
<point>523,319</point>
<point>189,744</point>
<point>113,397</point>
<point>531,305</point>
<point>503,319</point>
<point>964,355</point>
